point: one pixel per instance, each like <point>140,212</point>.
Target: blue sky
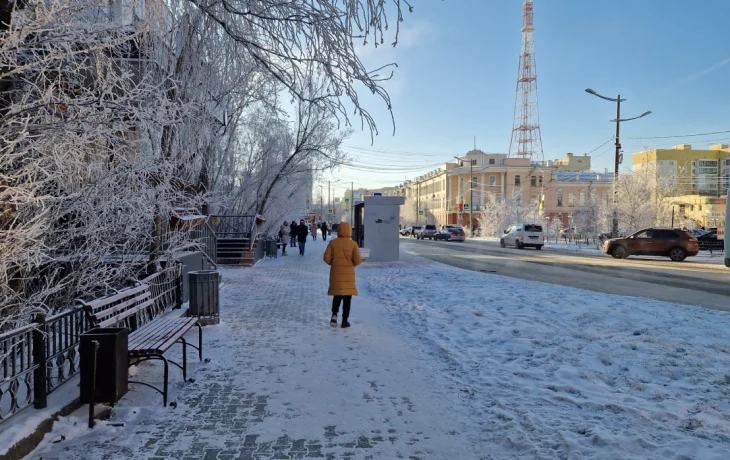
<point>458,68</point>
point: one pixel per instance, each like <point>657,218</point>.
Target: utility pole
<point>617,154</point>
<point>616,161</point>
<point>471,194</point>
<point>329,201</point>
<point>352,203</point>
<point>321,200</point>
<point>418,203</point>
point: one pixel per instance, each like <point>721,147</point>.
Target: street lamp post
<point>321,200</point>
<point>617,153</point>
<point>471,193</point>
<point>330,197</point>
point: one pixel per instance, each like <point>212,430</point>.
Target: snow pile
<point>557,372</point>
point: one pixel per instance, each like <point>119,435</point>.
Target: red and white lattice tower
<point>526,141</point>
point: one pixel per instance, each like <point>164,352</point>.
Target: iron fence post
<point>40,374</point>
<point>179,289</point>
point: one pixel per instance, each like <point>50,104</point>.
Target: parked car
<point>427,231</point>
<point>674,243</point>
<point>707,241</point>
<point>405,231</point>
<point>522,236</point>
<point>450,233</point>
<point>414,231</point>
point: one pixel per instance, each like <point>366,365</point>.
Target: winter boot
<point>333,320</point>
<point>345,323</point>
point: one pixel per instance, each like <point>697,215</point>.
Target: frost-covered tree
<point>499,213</point>
<point>81,177</point>
<point>409,211</point>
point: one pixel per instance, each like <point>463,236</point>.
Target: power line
<point>679,135</point>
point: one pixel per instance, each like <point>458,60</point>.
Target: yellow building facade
<point>445,195</point>
<point>698,172</point>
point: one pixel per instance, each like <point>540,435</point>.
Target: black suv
<point>428,231</point>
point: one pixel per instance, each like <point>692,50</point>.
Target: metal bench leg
<point>185,359</point>
<point>165,380</point>
<point>200,342</point>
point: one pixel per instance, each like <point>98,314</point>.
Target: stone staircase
<point>236,251</point>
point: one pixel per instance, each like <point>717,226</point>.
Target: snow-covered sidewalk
<point>283,384</point>
<point>440,363</point>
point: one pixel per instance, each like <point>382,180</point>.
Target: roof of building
<point>583,176</point>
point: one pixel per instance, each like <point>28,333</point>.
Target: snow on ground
<point>556,372</point>
<point>441,363</point>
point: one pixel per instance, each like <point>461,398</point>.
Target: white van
<point>523,235</point>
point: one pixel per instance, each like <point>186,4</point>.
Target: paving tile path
<point>282,384</point>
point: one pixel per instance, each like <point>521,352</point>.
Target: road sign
<point>347,200</point>
<point>377,194</point>
<point>466,206</point>
<point>420,212</point>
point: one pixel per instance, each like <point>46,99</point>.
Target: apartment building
<point>446,195</point>
<point>697,172</point>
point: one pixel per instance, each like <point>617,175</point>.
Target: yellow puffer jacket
<point>343,256</point>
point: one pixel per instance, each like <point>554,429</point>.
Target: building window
<point>517,179</point>
<point>473,162</point>
<point>533,181</point>
<point>560,198</point>
<point>594,197</point>
<point>582,197</point>
<point>492,181</point>
<point>491,161</point>
<point>571,199</point>
<point>474,182</point>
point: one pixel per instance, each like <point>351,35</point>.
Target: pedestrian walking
<point>302,232</point>
<point>284,231</point>
<point>293,227</point>
<point>342,255</point>
<point>324,231</point>
<point>314,230</point>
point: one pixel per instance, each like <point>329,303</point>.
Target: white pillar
<point>503,178</point>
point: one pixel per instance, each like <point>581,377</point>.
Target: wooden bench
<point>131,307</point>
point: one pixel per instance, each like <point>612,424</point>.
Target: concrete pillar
<point>502,180</point>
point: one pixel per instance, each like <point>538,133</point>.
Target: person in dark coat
<point>294,228</point>
<point>302,232</point>
<point>324,231</point>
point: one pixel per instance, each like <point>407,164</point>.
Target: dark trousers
<point>293,242</point>
<point>283,248</point>
<point>324,235</point>
<point>301,247</point>
<point>336,300</point>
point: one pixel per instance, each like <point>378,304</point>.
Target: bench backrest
<point>111,310</point>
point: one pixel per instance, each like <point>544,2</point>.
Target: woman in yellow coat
<point>342,255</point>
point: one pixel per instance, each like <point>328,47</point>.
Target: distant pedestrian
<point>294,227</point>
<point>314,230</point>
<point>324,231</point>
<point>302,232</point>
<point>284,231</point>
<point>342,255</point>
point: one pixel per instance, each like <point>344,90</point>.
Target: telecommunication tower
<point>526,140</point>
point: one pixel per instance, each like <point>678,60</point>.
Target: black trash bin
<point>204,301</point>
<point>272,247</point>
<point>112,364</point>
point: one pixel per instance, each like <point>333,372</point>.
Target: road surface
<point>692,282</point>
